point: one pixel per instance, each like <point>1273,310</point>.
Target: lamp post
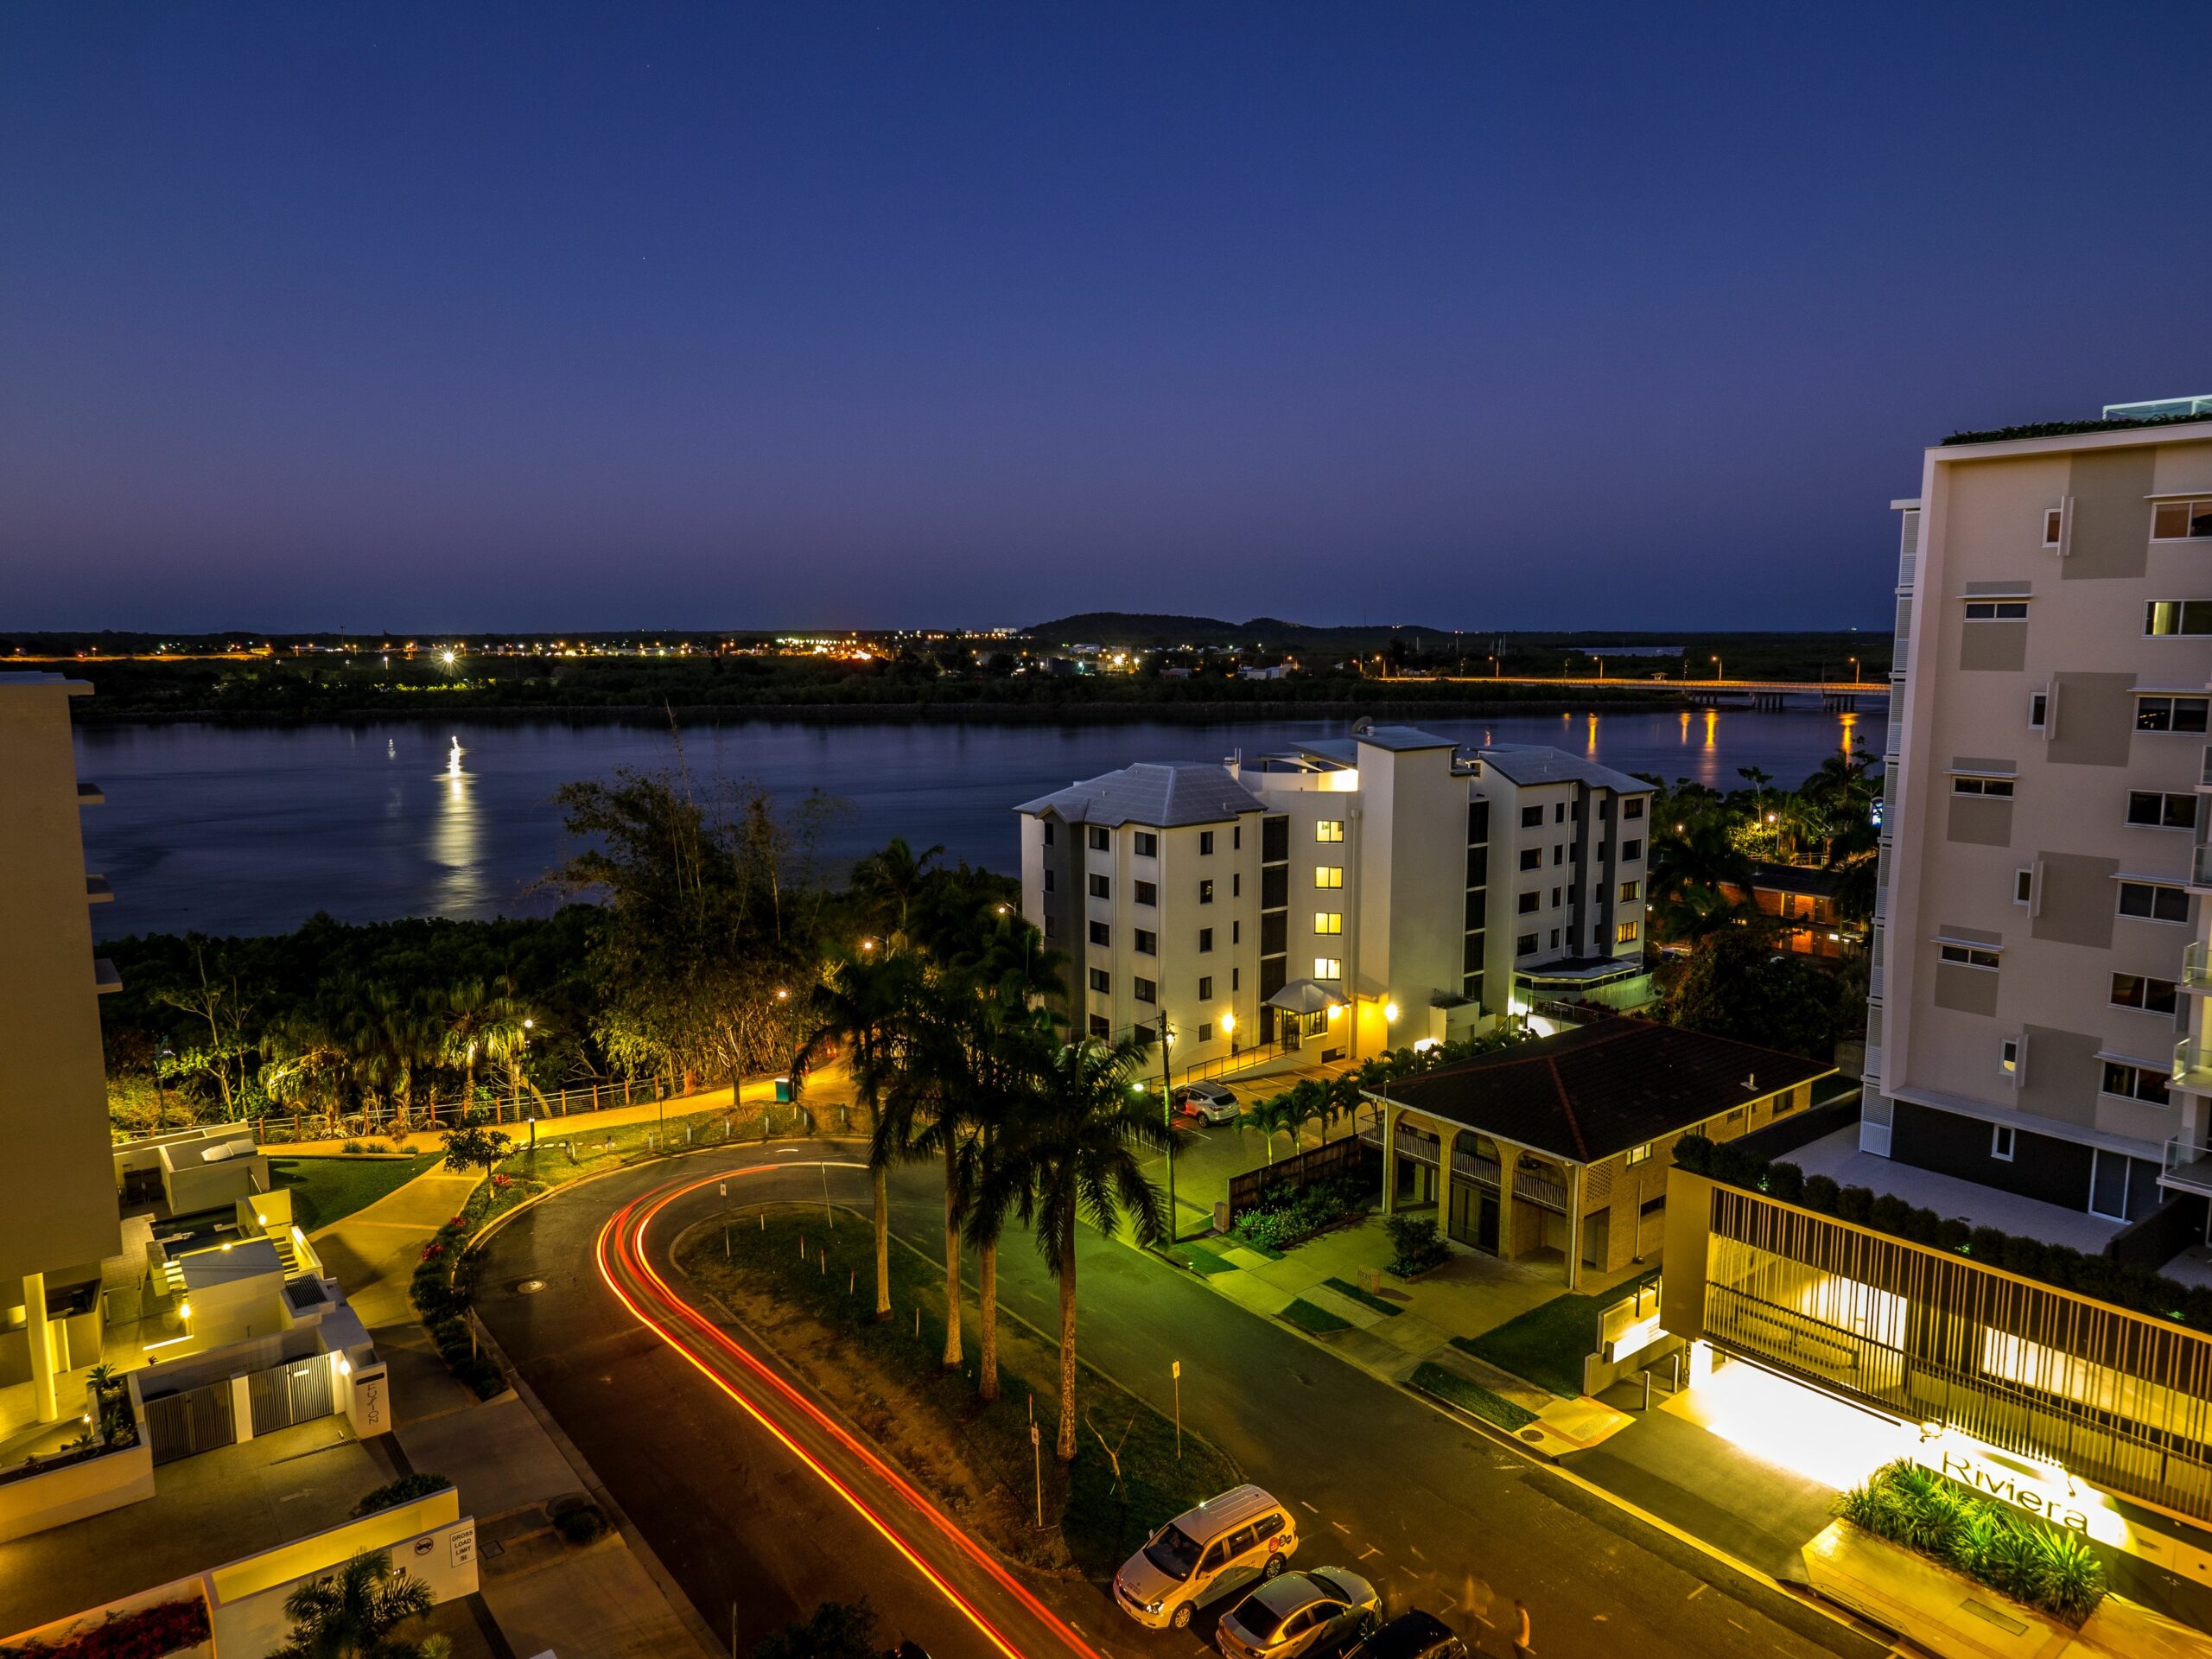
<point>1168,1122</point>
<point>1719,671</point>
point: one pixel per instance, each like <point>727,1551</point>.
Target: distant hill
<point>1148,628</point>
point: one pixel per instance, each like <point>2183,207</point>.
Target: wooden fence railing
<point>1352,1156</point>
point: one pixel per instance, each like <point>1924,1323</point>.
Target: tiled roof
<point>1532,763</point>
<point>1599,1090</point>
<point>1161,797</point>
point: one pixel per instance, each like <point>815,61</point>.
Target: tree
<point>352,1614</point>
<point>892,880</point>
<point>1075,1156</point>
<point>859,1005</point>
<point>926,1115</point>
<point>835,1630</point>
<point>1739,986</point>
<point>479,1021</point>
<point>475,1147</point>
<point>222,1007</point>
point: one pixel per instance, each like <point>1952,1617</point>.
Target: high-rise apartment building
<point>1350,894</point>
<point>2037,998</point>
<point>57,1183</point>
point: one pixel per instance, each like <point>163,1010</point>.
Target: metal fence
<point>278,1127</point>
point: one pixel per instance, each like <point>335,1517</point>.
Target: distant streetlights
<point>1720,669</point>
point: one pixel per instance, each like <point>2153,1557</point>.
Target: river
<point>247,829</point>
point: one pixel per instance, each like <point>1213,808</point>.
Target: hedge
<point>2138,1289</point>
<point>146,1634</point>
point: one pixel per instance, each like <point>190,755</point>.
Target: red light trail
<point>621,1255</point>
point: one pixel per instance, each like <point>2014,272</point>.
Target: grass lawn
<point>1546,1344</point>
<point>1308,1317</point>
<point>324,1189</point>
<point>1366,1299</point>
<point>927,1416</point>
<point>1456,1390</point>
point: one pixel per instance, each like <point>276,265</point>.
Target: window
<point>1637,1154</point>
<point>1236,836</point>
<point>1144,990</point>
<point>1100,888</point>
<point>1148,844</point>
<point>1329,829</point>
<point>1555,892</point>
<point>2177,521</point>
<point>1630,891</point>
<point>1236,932</point>
<point>1554,939</point>
<point>2000,1142</point>
<point>2008,1057</point>
<point>1632,807</point>
<point>1235,979</point>
<point>1205,1031</point>
<point>1625,933</point>
<point>1205,941</point>
<point>1101,934</point>
<point>1269,1525</point>
<point>1528,902</point>
<point>1328,968</point>
<point>1048,879</point>
<point>1559,853</point>
<point>2135,1083</point>
<point>1051,927</point>
<point>1147,943</point>
<point>2141,991</point>
<point>1531,816</point>
<point>2054,525</point>
<point>2153,810</point>
<point>1631,851</point>
<point>1099,840</point>
<point>1996,610</point>
<point>2023,886</point>
<point>1236,887</point>
<point>1328,875</point>
<point>1559,811</point>
<point>2039,709</point>
<point>1652,1206</point>
<point>1101,1026</point>
<point>1205,988</point>
<point>1525,945</point>
<point>1206,843</point>
<point>1206,892</point>
<point>1328,921</point>
<point>2172,714</point>
<point>1532,858</point>
<point>1102,982</point>
<point>1048,832</point>
<point>2163,618</point>
<point>2153,903</point>
<point>1147,893</point>
<point>1967,956</point>
<point>1999,787</point>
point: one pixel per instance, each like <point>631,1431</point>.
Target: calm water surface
<point>252,829</point>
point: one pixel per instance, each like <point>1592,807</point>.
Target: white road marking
<point>1308,1508</point>
<point>1340,1526</point>
<point>1695,1593</point>
<point>1416,1550</point>
<point>1369,1550</point>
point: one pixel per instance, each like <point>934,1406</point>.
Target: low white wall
<point>249,1619</point>
<point>33,1502</point>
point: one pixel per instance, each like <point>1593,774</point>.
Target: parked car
<point>1245,1527</point>
<point>1299,1613</point>
<point>1209,1102</point>
<point>1415,1635</point>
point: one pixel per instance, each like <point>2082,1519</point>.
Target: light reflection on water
<point>252,828</point>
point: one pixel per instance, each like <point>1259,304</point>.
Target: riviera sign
<point>2045,1502</point>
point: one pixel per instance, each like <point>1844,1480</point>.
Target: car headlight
<point>1153,1606</point>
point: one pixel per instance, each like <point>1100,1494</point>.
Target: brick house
<point>1563,1145</point>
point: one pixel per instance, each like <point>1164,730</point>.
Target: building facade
<point>2037,993</point>
<point>1353,894</point>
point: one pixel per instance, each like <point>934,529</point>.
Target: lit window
<point>1328,921</point>
<point>1328,875</point>
<point>2167,618</point>
<point>2008,1056</point>
<point>1206,892</point>
<point>1637,1154</point>
<point>1630,891</point>
<point>2173,713</point>
<point>1329,829</point>
<point>1625,933</point>
<point>1328,968</point>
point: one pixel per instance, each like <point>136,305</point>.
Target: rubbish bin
<point>783,1091</point>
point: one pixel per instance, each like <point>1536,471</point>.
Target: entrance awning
<point>1305,996</point>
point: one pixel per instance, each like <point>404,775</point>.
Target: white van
<point>1163,1583</point>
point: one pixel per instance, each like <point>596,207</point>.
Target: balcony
<point>90,794</point>
<point>105,978</point>
<point>2196,969</point>
<point>2192,1067</point>
<point>1908,570</point>
<point>97,890</point>
<point>1874,985</point>
<point>2189,1167</point>
<point>2204,772</point>
<point>2200,867</point>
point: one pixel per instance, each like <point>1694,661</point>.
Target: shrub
<point>1786,1182</point>
<point>151,1632</point>
<point>1855,1204</point>
<point>1987,1541</point>
<point>405,1490</point>
<point>578,1519</point>
<point>351,1149</point>
<point>1987,1244</point>
<point>1822,1193</point>
<point>1417,1245</point>
<point>1694,1154</point>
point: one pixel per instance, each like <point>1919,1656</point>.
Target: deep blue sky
<point>471,317</point>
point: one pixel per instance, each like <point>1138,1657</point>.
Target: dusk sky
<point>464,317</point>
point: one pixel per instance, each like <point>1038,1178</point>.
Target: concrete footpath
<point>606,1600</point>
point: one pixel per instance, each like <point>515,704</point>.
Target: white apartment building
<point>1358,893</point>
<point>2037,997</point>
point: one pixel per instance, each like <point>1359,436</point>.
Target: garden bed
<point>816,1312</point>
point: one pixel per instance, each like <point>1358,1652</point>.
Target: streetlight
<point>1720,669</point>
<point>1854,670</point>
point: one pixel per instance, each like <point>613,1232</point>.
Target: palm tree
<point>1692,860</point>
<point>892,879</point>
<point>930,1113</point>
<point>307,1063</point>
<point>1075,1155</point>
<point>860,1005</point>
<point>479,1019</point>
<point>352,1613</point>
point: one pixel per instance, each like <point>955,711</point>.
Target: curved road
<point>760,1504</point>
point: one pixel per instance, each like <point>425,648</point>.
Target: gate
<point>297,1391</point>
<point>196,1419</point>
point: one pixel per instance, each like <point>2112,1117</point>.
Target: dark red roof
<point>1599,1090</point>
